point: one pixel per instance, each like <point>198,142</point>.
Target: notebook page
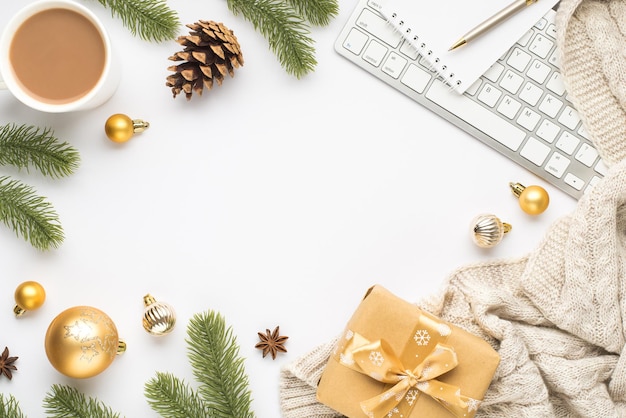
<point>439,24</point>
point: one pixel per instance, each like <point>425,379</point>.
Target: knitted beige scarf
<point>557,316</point>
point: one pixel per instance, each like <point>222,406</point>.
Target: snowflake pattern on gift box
<point>376,358</point>
<point>421,337</point>
<point>411,396</point>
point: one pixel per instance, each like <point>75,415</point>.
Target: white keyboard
<point>519,106</point>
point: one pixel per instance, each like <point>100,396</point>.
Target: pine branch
<point>285,30</point>
<point>214,356</point>
<point>171,397</point>
<point>318,12</point>
<point>151,20</point>
<point>10,408</point>
<point>28,146</point>
<point>67,402</point>
<point>29,215</point>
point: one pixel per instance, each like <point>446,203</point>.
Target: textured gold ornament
<point>159,318</point>
<point>82,342</point>
<point>533,200</point>
<point>488,230</point>
<point>120,128</point>
<point>29,296</point>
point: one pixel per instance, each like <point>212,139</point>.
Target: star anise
<point>6,364</point>
<point>271,342</point>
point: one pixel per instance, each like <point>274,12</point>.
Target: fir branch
<point>214,356</point>
<point>10,408</point>
<point>151,20</point>
<point>29,215</point>
<point>318,12</point>
<point>171,397</point>
<point>67,402</point>
<point>28,146</point>
<point>285,30</point>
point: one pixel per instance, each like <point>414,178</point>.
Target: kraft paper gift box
<point>395,360</point>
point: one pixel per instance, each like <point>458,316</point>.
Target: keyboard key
<point>511,82</point>
<point>555,84</point>
<point>557,165</point>
<point>493,73</point>
<point>587,155</point>
<point>408,50</point>
<point>548,131</point>
<point>551,31</point>
<point>509,107</point>
<point>394,64</point>
<point>541,46</point>
<point>489,95</point>
<point>531,94</point>
<point>528,119</point>
<point>375,53</point>
<point>519,59</point>
<point>601,168</point>
<point>523,41</point>
<point>567,143</point>
<point>569,117</point>
<point>574,181</point>
<point>355,41</point>
<point>481,118</point>
<point>535,151</point>
<point>416,78</point>
<point>538,71</point>
<point>377,26</point>
<point>550,105</point>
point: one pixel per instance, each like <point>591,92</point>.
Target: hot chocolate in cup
<point>55,56</point>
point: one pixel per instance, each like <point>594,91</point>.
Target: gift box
<point>395,360</point>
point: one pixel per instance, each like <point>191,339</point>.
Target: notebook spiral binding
<point>435,63</point>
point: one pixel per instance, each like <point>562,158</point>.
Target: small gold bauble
<point>29,296</point>
<point>159,318</point>
<point>120,128</point>
<point>488,230</point>
<point>82,342</point>
<point>533,200</point>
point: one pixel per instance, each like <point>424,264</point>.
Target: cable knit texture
<point>555,316</point>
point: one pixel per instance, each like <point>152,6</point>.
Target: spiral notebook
<point>431,27</point>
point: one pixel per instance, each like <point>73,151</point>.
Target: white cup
<point>97,95</point>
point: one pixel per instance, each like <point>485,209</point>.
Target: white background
<point>272,200</point>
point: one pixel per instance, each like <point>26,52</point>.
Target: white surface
<point>273,200</point>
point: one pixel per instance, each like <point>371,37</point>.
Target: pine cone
<point>211,51</point>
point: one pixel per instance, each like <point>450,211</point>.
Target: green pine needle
<point>29,215</point>
<point>318,12</point>
<point>285,30</point>
<point>223,384</point>
<point>214,356</point>
<point>171,397</point>
<point>66,402</point>
<point>28,146</point>
<point>151,20</point>
<point>10,408</point>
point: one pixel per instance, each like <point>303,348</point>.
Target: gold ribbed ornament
<point>82,342</point>
<point>159,318</point>
<point>488,230</point>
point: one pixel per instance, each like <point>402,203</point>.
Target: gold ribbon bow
<point>377,360</point>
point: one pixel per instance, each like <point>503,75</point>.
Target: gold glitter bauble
<point>29,296</point>
<point>159,318</point>
<point>82,342</point>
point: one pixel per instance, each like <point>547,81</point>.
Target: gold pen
<point>494,20</point>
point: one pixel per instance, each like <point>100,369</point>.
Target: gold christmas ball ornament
<point>120,128</point>
<point>532,199</point>
<point>82,342</point>
<point>29,296</point>
<point>159,318</point>
<point>488,230</point>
